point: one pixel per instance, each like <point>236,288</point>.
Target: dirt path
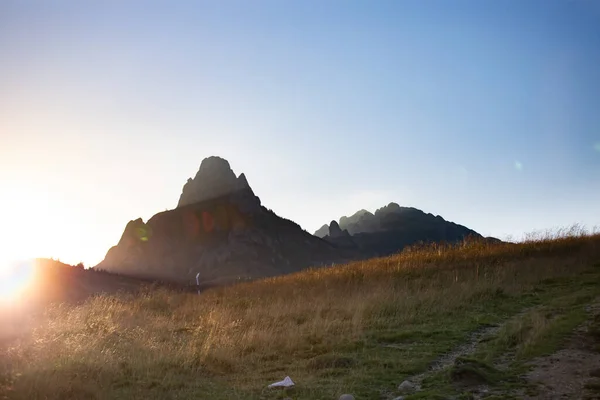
<point>449,359</point>
<point>465,349</point>
<point>574,371</point>
<point>571,373</point>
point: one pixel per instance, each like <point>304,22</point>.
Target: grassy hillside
<point>361,328</point>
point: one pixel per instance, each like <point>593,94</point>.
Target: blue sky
<point>483,112</point>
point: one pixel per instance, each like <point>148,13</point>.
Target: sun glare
<point>26,220</point>
<point>15,278</point>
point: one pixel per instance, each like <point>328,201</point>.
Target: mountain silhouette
<point>390,229</point>
<point>221,231</point>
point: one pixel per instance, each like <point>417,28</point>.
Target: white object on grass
<point>286,382</point>
<point>198,281</point>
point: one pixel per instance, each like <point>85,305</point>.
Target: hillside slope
<point>463,321</point>
<point>43,281</point>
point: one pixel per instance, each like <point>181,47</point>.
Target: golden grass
<point>230,342</point>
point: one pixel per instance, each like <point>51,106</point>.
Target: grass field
<point>361,328</point>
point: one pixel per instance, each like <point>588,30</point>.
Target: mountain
<point>221,231</point>
<point>215,178</point>
<point>390,229</point>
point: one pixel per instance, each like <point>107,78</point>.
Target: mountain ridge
<point>221,232</point>
<point>391,228</point>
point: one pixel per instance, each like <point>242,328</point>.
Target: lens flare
<point>15,280</point>
<point>518,166</point>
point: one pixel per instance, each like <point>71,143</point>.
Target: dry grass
<point>323,327</point>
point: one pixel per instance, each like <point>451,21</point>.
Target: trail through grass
<point>361,328</point>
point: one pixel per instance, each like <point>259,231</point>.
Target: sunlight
<point>15,279</point>
<point>27,223</point>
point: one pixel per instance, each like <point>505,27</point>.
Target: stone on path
<point>407,387</point>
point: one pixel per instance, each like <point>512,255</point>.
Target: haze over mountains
<point>221,231</point>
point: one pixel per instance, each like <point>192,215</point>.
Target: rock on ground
<point>407,387</point>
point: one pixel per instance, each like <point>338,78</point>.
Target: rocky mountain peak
<point>215,178</point>
<point>334,229</point>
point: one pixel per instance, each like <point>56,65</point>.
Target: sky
<point>484,112</point>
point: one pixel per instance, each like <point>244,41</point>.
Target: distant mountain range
<point>221,233</point>
<point>390,229</point>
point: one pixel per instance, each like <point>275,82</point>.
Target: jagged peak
<point>214,178</point>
